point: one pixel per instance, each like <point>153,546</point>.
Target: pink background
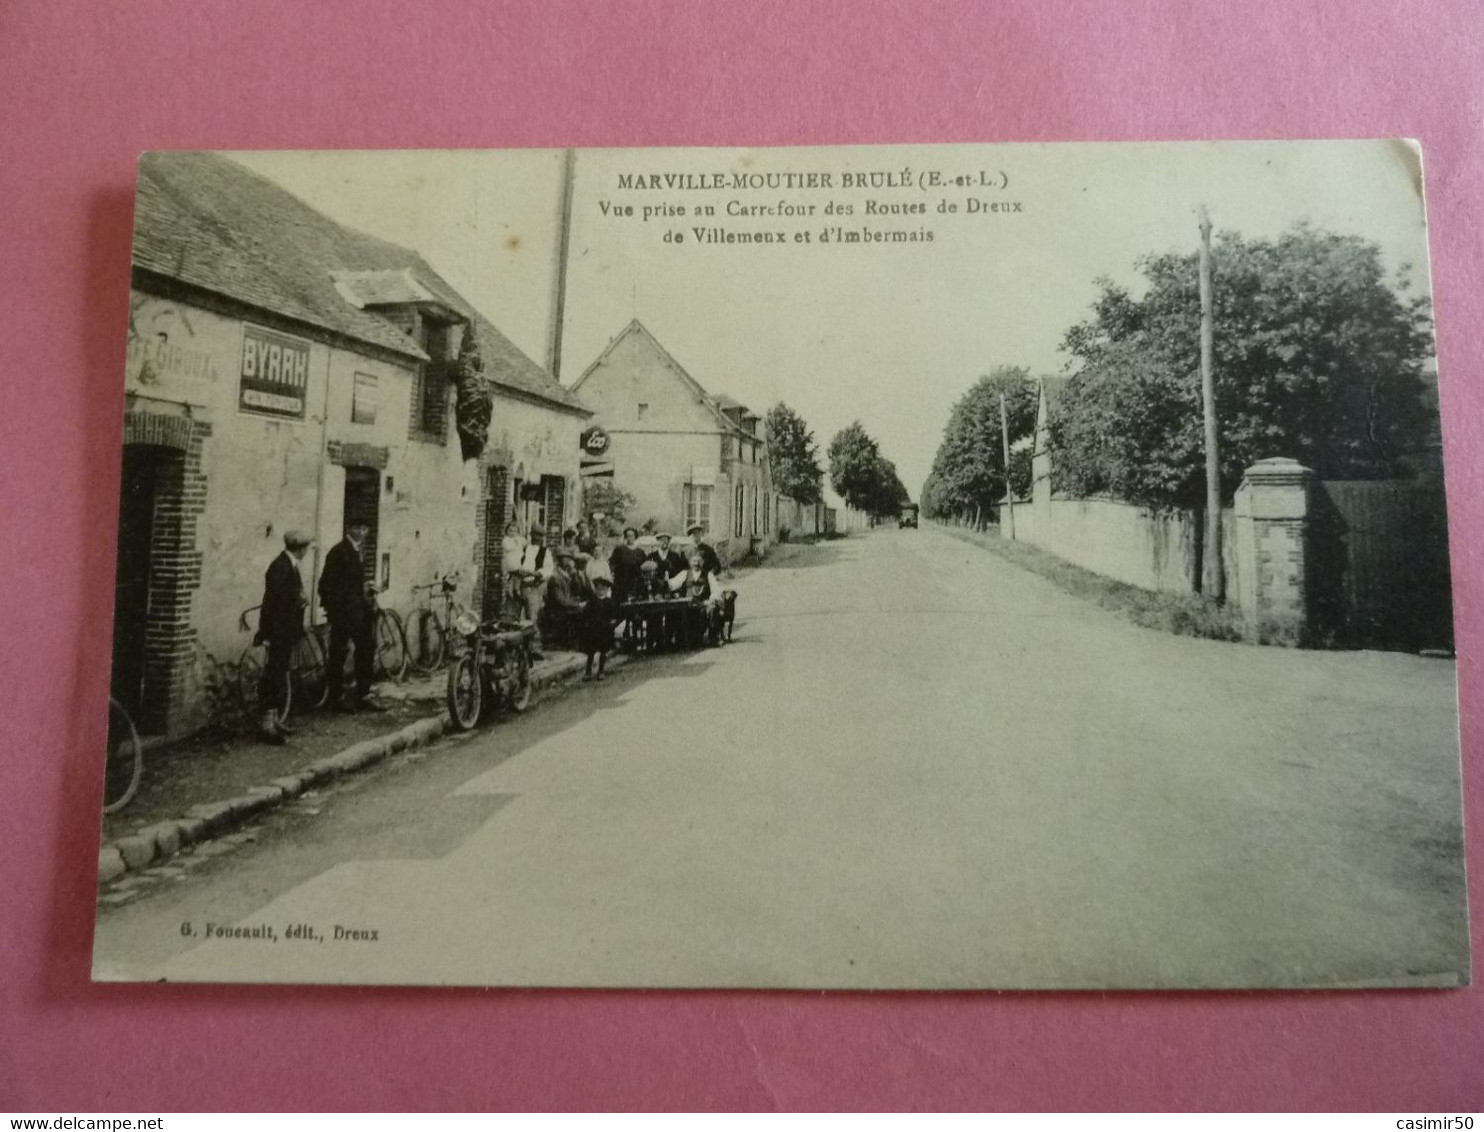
<point>85,87</point>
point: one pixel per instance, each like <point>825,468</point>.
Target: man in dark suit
<point>280,621</point>
<point>564,601</point>
<point>670,562</point>
<point>349,604</point>
<point>709,558</point>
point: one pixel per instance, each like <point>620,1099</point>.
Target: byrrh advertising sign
<point>275,373</point>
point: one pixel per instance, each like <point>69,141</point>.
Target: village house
<point>283,372</point>
<point>685,455</point>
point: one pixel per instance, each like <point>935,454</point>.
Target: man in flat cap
<point>280,621</point>
<point>709,557</point>
<point>564,600</point>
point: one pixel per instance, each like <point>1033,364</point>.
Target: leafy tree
<point>861,476</point>
<point>793,455</point>
<point>969,467</point>
<point>1317,357</point>
<point>888,494</point>
<point>927,498</point>
<point>604,497</point>
<point>854,465</point>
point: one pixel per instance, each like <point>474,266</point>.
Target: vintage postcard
<point>996,566</point>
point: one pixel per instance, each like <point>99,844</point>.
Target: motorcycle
<point>494,666</point>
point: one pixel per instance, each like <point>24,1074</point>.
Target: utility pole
<point>1215,575</point>
<point>559,282</point>
<point>1009,491</point>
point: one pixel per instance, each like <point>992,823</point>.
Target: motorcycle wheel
<point>465,692</point>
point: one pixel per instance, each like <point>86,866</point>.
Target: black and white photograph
<point>1015,566</point>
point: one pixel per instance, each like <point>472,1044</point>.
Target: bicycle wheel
<point>391,645</point>
<point>125,765</point>
<point>311,689</point>
<point>425,641</point>
<point>250,686</point>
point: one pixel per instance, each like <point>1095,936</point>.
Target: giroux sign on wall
<point>163,356</point>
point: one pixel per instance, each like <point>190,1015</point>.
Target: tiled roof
<point>205,220</point>
<point>730,406</point>
<point>637,329</point>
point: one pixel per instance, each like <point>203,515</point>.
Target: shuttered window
<point>363,399</point>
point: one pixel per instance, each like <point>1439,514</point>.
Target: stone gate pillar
<point>1272,545</point>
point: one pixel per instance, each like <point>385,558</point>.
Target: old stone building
<point>286,371</point>
<point>685,455</point>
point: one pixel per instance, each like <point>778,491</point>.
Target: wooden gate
<point>1379,571</point>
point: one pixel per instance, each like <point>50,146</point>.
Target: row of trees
<point>862,476</point>
<point>968,474</point>
<point>859,473</point>
<point>1318,356</point>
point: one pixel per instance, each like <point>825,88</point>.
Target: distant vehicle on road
<point>908,517</point>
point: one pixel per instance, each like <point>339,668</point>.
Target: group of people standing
<point>348,597</point>
<point>578,597</point>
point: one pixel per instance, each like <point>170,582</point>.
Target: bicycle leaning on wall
<point>431,636</point>
<point>307,685</point>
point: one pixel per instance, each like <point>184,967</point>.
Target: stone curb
<point>155,843</point>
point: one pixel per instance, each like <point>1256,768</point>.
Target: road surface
<point>917,766</point>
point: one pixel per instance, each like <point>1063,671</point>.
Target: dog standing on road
<point>728,613</point>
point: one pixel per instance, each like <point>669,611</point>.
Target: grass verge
<point>1186,615</point>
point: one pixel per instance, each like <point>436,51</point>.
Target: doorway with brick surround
<point>495,514</point>
<point>363,505</point>
<point>149,495</point>
<point>158,571</point>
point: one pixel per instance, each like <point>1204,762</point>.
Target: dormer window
<point>411,306</point>
<point>440,340</point>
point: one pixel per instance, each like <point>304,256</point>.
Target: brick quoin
<point>556,505</point>
<point>175,563</point>
<point>489,531</point>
